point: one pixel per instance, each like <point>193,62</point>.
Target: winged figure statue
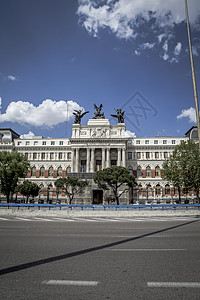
<point>119,115</point>
<point>78,115</point>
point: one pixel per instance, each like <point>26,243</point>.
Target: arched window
<point>167,189</point>
<point>130,169</point>
<point>68,169</point>
<point>139,172</point>
<point>140,191</point>
<point>149,190</point>
<point>33,171</point>
<point>158,190</point>
<point>41,191</point>
<point>50,172</point>
<point>59,171</point>
<point>157,171</point>
<point>42,171</point>
<point>148,171</point>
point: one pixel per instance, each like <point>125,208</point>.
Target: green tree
<point>114,178</point>
<point>183,167</point>
<point>28,188</point>
<point>71,186</point>
<point>13,166</point>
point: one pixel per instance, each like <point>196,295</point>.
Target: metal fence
<point>102,207</point>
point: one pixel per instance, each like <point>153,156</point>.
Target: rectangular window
<point>44,143</point>
<point>147,154</point>
<point>148,172</point>
<point>27,143</point>
<point>51,155</point>
<point>26,155</point>
<point>129,142</point>
<point>61,143</point>
<point>164,141</point>
<point>52,143</point>
<point>156,142</point>
<point>34,155</point>
<point>42,155</point>
<point>156,154</point>
<point>173,142</point>
<point>138,155</point>
<point>35,143</point>
<point>19,143</point>
<point>83,166</point>
<point>138,142</point>
<point>129,155</point>
<point>60,155</point>
<point>165,155</point>
<point>113,162</point>
<point>68,155</point>
<point>146,142</point>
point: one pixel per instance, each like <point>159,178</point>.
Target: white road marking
<point>42,219</point>
<point>174,284</point>
<point>23,219</point>
<point>62,219</point>
<point>3,219</point>
<point>71,282</point>
<point>146,249</point>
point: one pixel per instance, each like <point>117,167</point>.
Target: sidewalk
<point>102,214</point>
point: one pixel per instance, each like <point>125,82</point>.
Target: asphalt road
<point>100,259</point>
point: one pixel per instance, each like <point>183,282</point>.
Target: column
<point>108,157</point>
<point>123,157</point>
<point>119,157</point>
<point>88,161</point>
<point>103,158</point>
<point>92,161</point>
<point>72,161</point>
<point>77,160</point>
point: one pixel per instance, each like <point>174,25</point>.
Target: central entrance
<point>97,197</point>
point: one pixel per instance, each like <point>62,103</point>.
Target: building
<point>93,147</point>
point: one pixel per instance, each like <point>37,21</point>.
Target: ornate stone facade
<point>93,147</point>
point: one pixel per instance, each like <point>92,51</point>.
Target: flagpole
<point>193,72</point>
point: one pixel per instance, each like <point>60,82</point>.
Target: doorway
<point>97,197</point>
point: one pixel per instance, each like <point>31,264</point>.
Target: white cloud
<point>165,46</point>
<point>147,45</point>
<point>49,113</point>
<point>29,135</point>
<point>121,15</point>
<point>129,134</point>
<point>124,18</point>
<point>178,49</point>
<point>0,103</point>
<point>165,56</point>
<point>137,52</point>
<point>11,77</point>
<point>161,37</point>
<point>188,113</point>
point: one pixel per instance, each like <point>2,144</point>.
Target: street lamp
<point>193,72</point>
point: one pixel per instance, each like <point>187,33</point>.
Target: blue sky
<point>57,56</point>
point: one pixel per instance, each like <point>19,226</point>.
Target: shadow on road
<point>85,251</point>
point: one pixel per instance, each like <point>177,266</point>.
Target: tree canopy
<point>28,188</point>
<point>183,167</point>
<point>13,165</point>
<point>114,178</point>
<point>71,186</point>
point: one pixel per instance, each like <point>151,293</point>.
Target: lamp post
<point>193,72</point>
<point>48,189</point>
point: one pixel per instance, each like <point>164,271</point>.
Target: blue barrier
<point>102,207</point>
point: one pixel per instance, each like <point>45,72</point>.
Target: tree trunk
<point>179,195</point>
<point>8,197</point>
<point>197,193</point>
